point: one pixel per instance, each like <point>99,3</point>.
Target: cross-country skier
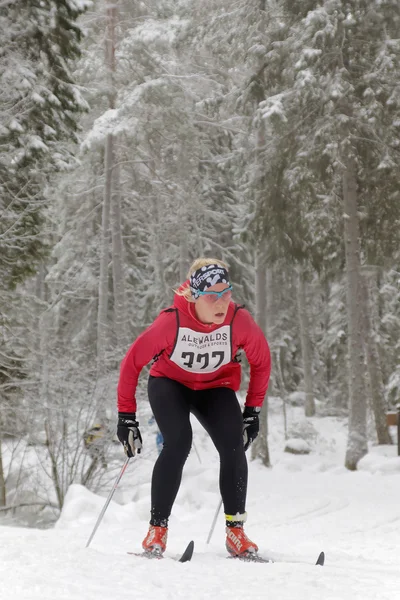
<point>195,346</point>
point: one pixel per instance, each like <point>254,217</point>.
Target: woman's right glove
<point>129,434</point>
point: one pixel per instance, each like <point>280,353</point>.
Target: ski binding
<point>157,553</point>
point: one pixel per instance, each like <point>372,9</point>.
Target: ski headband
<point>206,277</point>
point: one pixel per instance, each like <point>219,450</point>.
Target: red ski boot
<point>155,541</point>
<point>238,544</point>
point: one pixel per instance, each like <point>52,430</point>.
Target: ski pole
<point>214,521</point>
<point>197,452</point>
<point>110,495</point>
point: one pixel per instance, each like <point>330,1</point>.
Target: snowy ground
<point>303,505</point>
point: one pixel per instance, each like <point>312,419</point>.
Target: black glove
<point>128,433</point>
<point>251,424</point>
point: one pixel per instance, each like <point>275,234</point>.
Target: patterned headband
<point>206,277</point>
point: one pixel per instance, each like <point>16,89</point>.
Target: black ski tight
<point>218,411</point>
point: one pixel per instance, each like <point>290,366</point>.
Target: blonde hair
<point>197,264</point>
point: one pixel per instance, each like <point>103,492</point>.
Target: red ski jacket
<point>198,355</point>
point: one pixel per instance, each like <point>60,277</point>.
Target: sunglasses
<point>212,297</point>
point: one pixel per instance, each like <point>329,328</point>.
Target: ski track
<point>315,512</point>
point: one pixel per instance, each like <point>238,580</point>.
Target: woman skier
<point>195,346</point>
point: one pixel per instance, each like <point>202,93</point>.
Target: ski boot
<point>238,544</point>
<point>155,542</point>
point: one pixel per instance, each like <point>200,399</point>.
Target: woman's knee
<point>233,452</point>
<point>179,443</point>
<point>229,440</point>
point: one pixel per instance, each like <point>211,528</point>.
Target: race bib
<point>202,352</point>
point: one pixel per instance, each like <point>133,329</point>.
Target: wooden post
<point>398,429</point>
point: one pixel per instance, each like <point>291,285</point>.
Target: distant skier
<point>95,442</point>
<point>195,345</point>
<point>159,437</point>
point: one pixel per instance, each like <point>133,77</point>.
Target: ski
<point>157,554</point>
<point>187,555</point>
<point>252,557</point>
<point>256,558</point>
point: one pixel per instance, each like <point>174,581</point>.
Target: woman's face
<point>212,309</point>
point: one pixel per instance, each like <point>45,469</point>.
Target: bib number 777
<point>203,361</point>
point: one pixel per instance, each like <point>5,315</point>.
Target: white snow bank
<point>381,459</point>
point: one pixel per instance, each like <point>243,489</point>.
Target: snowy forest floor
<point>303,505</point>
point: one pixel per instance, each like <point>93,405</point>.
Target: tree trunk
<point>159,251</point>
<point>260,446</point>
<point>357,445</point>
<point>102,325</point>
<point>104,258</point>
<point>55,473</point>
<point>3,489</point>
<point>327,321</point>
<point>374,370</point>
<point>183,254</point>
<point>40,285</point>
<point>281,388</point>
<point>186,216</point>
<point>260,291</point>
<point>120,317</point>
<point>270,300</point>
<point>309,406</point>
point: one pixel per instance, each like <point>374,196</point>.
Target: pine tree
<point>344,81</point>
<point>39,106</point>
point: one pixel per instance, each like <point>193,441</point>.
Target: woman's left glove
<point>251,424</point>
<point>129,434</point>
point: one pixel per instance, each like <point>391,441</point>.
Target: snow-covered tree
<point>345,80</point>
<point>39,107</point>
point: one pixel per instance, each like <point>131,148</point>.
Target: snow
<point>15,126</point>
<point>79,5</point>
<point>297,446</point>
<point>297,398</point>
<point>155,30</point>
<point>35,142</point>
<point>38,98</point>
<point>303,505</point>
